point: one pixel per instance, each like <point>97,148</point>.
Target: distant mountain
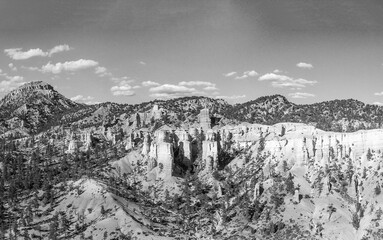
<point>33,105</point>
<point>36,106</point>
<point>337,115</point>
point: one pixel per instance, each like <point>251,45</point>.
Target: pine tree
<point>103,212</point>
<point>53,228</point>
<point>290,184</point>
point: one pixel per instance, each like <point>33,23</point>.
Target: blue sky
<point>139,50</point>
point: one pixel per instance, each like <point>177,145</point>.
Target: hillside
<point>337,115</point>
<point>189,168</point>
<point>36,106</point>
<point>32,106</point>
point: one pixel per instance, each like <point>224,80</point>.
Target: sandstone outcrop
<point>204,119</point>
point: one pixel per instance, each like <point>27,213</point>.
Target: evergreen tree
<point>290,184</point>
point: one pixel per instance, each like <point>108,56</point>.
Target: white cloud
<point>230,74</point>
<point>31,68</point>
<point>251,73</point>
<point>169,88</point>
<point>231,97</point>
<point>81,98</point>
<point>12,67</point>
<point>246,74</point>
<point>11,83</point>
<point>59,48</point>
<point>273,76</point>
<point>142,63</point>
<point>210,88</point>
<point>241,77</point>
<point>305,65</point>
<point>277,71</point>
<point>292,85</point>
<point>378,103</point>
<point>378,94</point>
<point>149,84</point>
<point>196,83</point>
<point>136,87</point>
<point>120,79</point>
<point>171,91</point>
<point>101,71</point>
<point>70,66</point>
<point>301,95</point>
<point>18,54</point>
<point>285,81</point>
<point>122,89</point>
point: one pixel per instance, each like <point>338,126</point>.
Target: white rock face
<point>204,119</point>
<point>142,119</point>
<point>73,146</point>
<point>130,142</point>
<point>323,147</point>
<point>210,151</point>
<point>165,157</point>
<point>146,145</point>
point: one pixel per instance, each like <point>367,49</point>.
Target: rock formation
<point>74,144</point>
<point>130,143</point>
<point>146,145</point>
<point>165,155</point>
<point>185,147</point>
<point>204,119</point>
<point>210,151</point>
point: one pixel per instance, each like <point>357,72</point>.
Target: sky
<point>140,50</point>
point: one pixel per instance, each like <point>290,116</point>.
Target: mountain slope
<point>32,106</point>
<point>337,115</point>
<point>36,106</point>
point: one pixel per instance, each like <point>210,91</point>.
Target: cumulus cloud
<point>149,84</point>
<point>378,103</point>
<point>70,66</point>
<point>301,95</point>
<point>231,97</point>
<point>59,48</point>
<point>10,83</point>
<point>241,77</point>
<point>19,54</point>
<point>230,74</point>
<point>102,71</point>
<point>282,81</point>
<point>166,91</point>
<point>305,65</point>
<point>142,63</point>
<point>81,98</point>
<point>210,88</point>
<point>12,67</point>
<point>378,94</point>
<point>122,89</point>
<point>245,74</point>
<point>197,84</point>
<point>277,71</point>
<point>169,88</point>
<point>273,76</point>
<point>251,73</point>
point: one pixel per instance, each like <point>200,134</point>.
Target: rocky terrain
<point>188,168</point>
